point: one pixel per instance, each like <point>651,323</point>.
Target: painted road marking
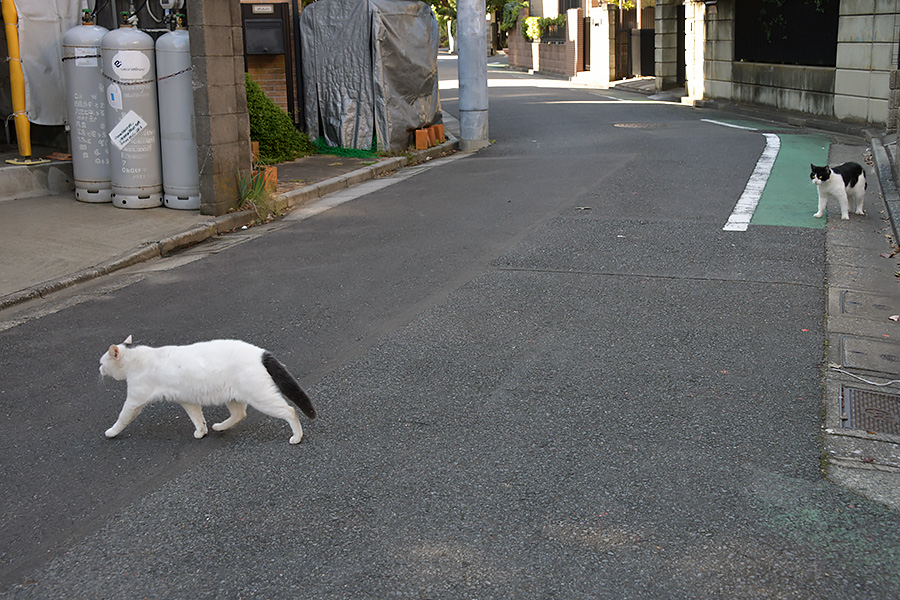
<point>746,204</point>
<point>732,125</point>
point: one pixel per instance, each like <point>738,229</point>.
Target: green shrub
<point>535,27</point>
<point>279,141</point>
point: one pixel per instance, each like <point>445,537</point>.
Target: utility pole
<point>472,66</point>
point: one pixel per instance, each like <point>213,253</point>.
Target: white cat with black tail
<point>843,183</point>
<point>220,372</point>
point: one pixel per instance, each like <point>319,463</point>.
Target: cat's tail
<point>287,385</point>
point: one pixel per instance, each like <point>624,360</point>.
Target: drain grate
<point>871,411</point>
<point>641,125</point>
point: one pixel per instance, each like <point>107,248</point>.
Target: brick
<point>421,139</point>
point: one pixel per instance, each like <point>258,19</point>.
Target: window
<point>793,32</point>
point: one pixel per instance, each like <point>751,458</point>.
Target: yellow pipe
<point>17,78</point>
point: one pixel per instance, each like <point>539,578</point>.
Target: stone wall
<point>718,51</point>
<point>858,89</point>
<point>866,55</point>
<point>666,57</point>
<point>808,90</point>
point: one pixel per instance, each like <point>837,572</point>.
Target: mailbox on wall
<point>267,34</point>
<point>265,28</point>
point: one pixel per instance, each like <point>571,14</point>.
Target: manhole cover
<point>870,306</point>
<point>641,125</point>
<point>871,355</point>
<point>871,411</point>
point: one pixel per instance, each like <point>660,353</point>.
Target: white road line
<point>746,205</point>
<point>367,187</point>
<point>733,126</point>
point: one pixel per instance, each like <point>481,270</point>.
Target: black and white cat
<point>849,183</point>
<point>220,372</point>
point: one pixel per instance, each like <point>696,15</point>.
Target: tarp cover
<point>369,67</point>
<point>42,25</point>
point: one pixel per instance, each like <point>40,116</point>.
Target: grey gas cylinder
<point>132,120</point>
<point>86,104</point>
<point>177,131</point>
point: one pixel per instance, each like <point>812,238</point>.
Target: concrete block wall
<point>802,89</point>
<point>718,51</point>
<point>666,44</point>
<point>220,102</point>
<point>867,53</point>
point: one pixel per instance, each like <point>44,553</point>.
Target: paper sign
<point>130,125</point>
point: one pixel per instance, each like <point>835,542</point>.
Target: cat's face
<point>819,174</point>
<point>111,362</point>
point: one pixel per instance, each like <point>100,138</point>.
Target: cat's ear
<point>127,340</point>
<point>812,167</point>
<point>114,352</point>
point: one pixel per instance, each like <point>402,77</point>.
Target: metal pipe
<point>17,79</point>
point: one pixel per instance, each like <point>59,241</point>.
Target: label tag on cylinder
<point>86,57</point>
<point>130,64</point>
<point>130,125</point>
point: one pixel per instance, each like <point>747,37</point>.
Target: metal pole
<point>472,66</point>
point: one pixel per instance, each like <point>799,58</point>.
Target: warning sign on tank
<point>130,125</point>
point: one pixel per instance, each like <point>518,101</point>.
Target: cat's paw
<point>845,217</point>
<point>295,439</point>
<point>111,432</point>
<point>199,433</point>
<point>861,212</point>
<point>818,215</point>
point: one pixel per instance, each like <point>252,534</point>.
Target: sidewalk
<point>50,241</point>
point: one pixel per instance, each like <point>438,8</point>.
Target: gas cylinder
<point>86,104</point>
<point>177,131</point>
<point>132,120</point>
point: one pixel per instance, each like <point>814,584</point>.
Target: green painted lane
<point>789,198</point>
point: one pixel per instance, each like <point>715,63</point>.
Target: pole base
<point>27,160</point>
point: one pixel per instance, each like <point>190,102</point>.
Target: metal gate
<point>626,20</point>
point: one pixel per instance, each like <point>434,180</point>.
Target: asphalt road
<point>543,370</point>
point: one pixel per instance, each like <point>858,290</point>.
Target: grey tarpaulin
<point>369,66</point>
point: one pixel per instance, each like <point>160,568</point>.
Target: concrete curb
<point>224,224</point>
